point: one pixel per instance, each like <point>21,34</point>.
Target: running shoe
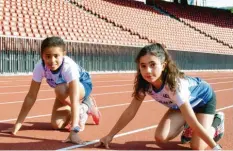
<point>94,111</point>
<point>218,124</point>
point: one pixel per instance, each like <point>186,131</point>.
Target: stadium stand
<point>152,24</point>
<point>214,23</point>
<point>56,17</point>
<point>105,35</point>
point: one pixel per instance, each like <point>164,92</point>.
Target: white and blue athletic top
<point>67,72</point>
<point>194,90</point>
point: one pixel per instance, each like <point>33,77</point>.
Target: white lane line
<point>218,78</point>
<point>92,82</point>
<point>223,108</point>
<point>30,117</point>
<point>220,82</point>
<point>124,134</point>
<point>15,86</point>
<point>106,86</point>
<point>13,102</point>
<point>98,94</point>
<point>102,86</point>
<point>51,89</point>
<point>110,81</point>
<point>123,104</point>
<point>118,135</point>
<point>23,92</point>
<point>101,107</point>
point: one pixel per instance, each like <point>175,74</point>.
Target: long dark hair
<point>170,74</point>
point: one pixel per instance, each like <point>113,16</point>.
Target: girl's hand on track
<point>13,130</point>
<point>104,142</point>
<point>73,138</point>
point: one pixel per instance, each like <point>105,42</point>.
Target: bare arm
<point>74,99</point>
<point>192,121</point>
<point>126,117</point>
<point>27,104</point>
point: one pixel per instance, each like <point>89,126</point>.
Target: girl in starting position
<point>190,100</point>
<point>72,85</point>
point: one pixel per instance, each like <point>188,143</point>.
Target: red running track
<point>113,95</point>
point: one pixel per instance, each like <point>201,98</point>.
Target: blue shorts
<point>209,107</point>
<point>88,89</point>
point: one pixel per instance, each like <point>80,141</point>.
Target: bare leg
<point>170,126</point>
<point>206,121</point>
<point>60,118</point>
<point>61,113</point>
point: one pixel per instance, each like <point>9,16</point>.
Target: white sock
<point>84,107</point>
<point>83,116</point>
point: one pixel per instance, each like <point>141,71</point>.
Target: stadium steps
<point>140,36</point>
<point>165,12</point>
<point>151,24</point>
<point>207,35</point>
<point>39,19</point>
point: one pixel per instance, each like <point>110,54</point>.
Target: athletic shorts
<point>209,107</point>
<point>88,89</point>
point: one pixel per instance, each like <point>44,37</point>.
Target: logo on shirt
<point>51,82</point>
<point>166,96</point>
<point>165,102</point>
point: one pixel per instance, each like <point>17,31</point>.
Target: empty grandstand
<point>105,35</point>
